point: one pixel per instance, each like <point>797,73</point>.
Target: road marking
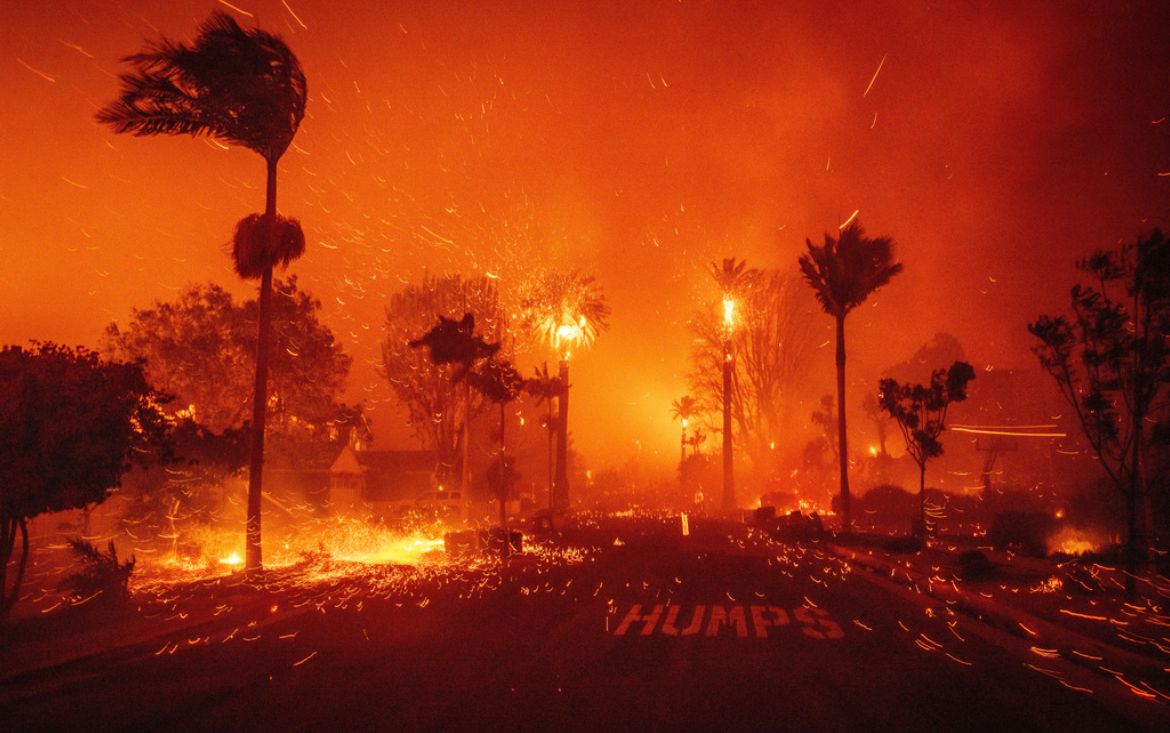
<point>724,621</point>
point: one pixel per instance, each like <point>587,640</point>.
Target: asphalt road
<point>713,631</point>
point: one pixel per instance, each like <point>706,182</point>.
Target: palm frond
<point>844,271</point>
<point>261,242</point>
<point>244,86</point>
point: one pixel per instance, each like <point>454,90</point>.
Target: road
<point>645,629</point>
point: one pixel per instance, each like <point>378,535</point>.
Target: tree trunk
<point>561,481</point>
<point>682,459</point>
<point>7,542</point>
<point>1131,542</point>
<point>988,465</point>
<point>253,552</point>
<point>842,441</point>
<point>465,468</point>
<point>922,500</point>
<point>503,484</point>
<point>728,503</point>
<point>549,432</point>
<point>8,598</point>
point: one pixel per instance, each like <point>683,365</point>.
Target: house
<point>381,477</point>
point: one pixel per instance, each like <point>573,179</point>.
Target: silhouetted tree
<point>499,382</point>
<point>246,87</point>
<point>873,410</point>
<point>842,273</point>
<point>825,418</point>
<point>734,279</point>
<point>545,388</point>
<point>69,425</point>
<point>455,343</point>
<point>566,311</point>
<point>1111,361</point>
<point>197,348</point>
<point>425,388</point>
<point>683,410</point>
<point>770,347</point>
<point>921,414</point>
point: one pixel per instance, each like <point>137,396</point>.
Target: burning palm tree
<point>682,410</point>
<point>567,312</point>
<point>733,279</point>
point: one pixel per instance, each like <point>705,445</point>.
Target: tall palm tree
<point>682,410</point>
<point>842,273</point>
<point>734,278</point>
<point>545,387</point>
<point>246,87</point>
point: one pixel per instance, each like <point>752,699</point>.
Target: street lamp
<point>728,361</point>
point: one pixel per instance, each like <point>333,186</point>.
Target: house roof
<point>383,461</point>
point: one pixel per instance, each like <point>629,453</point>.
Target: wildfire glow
<point>566,333</point>
<point>728,312</point>
<point>1073,541</point>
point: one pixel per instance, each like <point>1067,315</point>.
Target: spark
<point>875,76</point>
<point>294,15</point>
<point>38,72</point>
<point>851,218</point>
<point>241,11</point>
<point>1013,433</point>
<point>76,48</point>
<point>297,664</point>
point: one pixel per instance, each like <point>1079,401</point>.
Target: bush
<point>888,504</point>
<point>101,572</point>
<point>975,565</point>
<point>903,545</point>
<point>1023,532</point>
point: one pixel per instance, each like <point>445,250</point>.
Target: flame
<point>1073,541</point>
<point>345,539</point>
<point>728,312</point>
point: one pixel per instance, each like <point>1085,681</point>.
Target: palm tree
<point>498,381</point>
<point>733,278</point>
<point>682,410</point>
<point>455,343</point>
<point>545,387</point>
<point>842,274</point>
<point>246,87</point>
<point>567,311</point>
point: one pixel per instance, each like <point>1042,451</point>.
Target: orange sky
<point>639,140</point>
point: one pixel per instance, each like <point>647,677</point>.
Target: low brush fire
<point>1075,541</point>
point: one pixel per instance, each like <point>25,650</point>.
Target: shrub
<point>101,572</point>
<point>1023,532</point>
<point>975,565</point>
<point>905,545</point>
<point>889,504</point>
